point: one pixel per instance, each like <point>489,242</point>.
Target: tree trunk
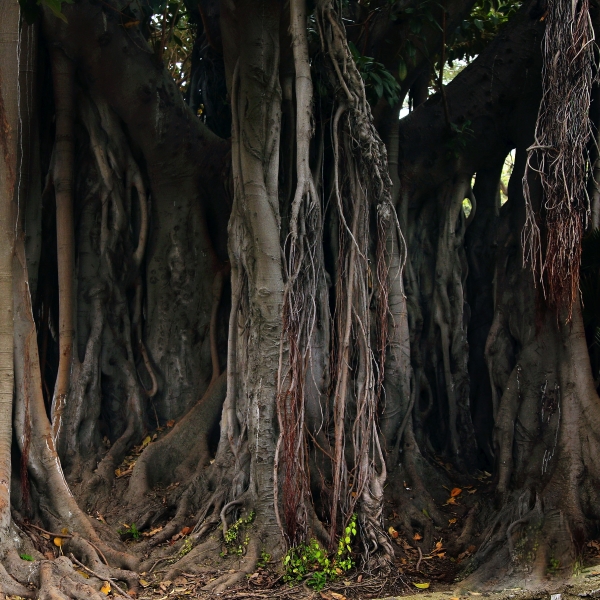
<point>9,76</point>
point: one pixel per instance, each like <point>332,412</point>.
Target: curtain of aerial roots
<point>559,152</point>
<point>360,197</point>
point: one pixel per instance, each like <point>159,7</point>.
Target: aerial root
<point>90,554</point>
<point>60,581</point>
<point>248,565</point>
<point>192,562</point>
<point>10,586</point>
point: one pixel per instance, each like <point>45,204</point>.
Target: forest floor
<point>429,573</point>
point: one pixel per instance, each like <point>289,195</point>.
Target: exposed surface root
<point>247,565</point>
<point>10,586</point>
<point>59,581</point>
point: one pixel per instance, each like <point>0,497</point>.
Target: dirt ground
<point>431,572</point>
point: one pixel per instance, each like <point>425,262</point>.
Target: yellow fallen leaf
<point>58,541</point>
<point>64,530</point>
<point>146,441</point>
<point>105,588</point>
<point>455,492</point>
<point>144,583</point>
<point>84,574</point>
<point>421,586</point>
<point>417,537</point>
<point>152,532</point>
<point>393,532</point>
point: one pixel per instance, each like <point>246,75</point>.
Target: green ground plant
<point>312,564</point>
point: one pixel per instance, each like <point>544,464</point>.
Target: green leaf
<point>55,7</point>
<point>402,70</point>
<point>26,557</point>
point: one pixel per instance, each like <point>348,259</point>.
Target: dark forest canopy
<point>298,286</point>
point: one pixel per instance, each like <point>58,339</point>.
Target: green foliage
<point>264,559</point>
<point>458,138</point>
<point>312,564</point>
<point>379,82</point>
<point>236,537</point>
<point>172,35</point>
<point>185,548</point>
<point>553,566</point>
<point>131,530</point>
<point>480,27</point>
<point>26,557</point>
<point>31,9</point>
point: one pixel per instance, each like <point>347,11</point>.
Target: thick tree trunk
<point>184,162</point>
<point>9,76</point>
<point>254,247</point>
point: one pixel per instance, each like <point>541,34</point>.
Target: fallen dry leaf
<point>451,521</point>
<point>393,532</point>
<point>417,537</point>
<point>105,589</point>
<point>332,596</point>
<point>472,491</point>
<point>152,532</point>
<point>455,492</point>
<point>170,423</point>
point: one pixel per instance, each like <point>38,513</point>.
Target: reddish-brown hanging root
<point>304,271</point>
<point>365,182</point>
<point>559,154</point>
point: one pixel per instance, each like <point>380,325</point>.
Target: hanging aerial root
<point>305,272</point>
<point>559,153</point>
<point>362,188</point>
